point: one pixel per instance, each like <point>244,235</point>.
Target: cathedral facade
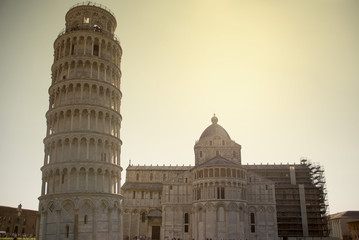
<point>218,198</point>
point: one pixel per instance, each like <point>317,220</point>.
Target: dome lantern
<point>214,119</point>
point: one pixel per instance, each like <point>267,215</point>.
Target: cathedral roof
<point>218,161</point>
<point>159,168</point>
<point>214,129</point>
<point>345,214</point>
<point>142,186</point>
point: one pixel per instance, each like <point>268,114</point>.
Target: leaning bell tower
<point>80,196</point>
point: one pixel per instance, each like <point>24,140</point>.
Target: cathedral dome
<point>214,129</point>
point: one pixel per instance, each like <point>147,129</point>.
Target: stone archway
<point>154,223</point>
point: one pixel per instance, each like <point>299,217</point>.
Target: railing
<point>88,3</point>
<point>91,28</point>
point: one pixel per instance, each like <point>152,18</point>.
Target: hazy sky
<point>282,77</point>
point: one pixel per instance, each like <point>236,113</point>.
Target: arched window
<point>200,153</point>
<point>220,214</point>
<point>220,193</point>
<point>67,231</point>
<point>72,49</point>
<point>46,188</point>
<point>52,208</point>
<point>143,217</point>
<point>137,177</point>
<point>103,157</point>
<point>85,219</point>
<point>87,18</point>
<point>95,50</point>
<point>253,224</point>
<point>198,194</point>
<point>252,218</point>
<point>186,222</point>
<point>151,176</point>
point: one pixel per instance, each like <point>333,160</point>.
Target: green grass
<point>11,238</point>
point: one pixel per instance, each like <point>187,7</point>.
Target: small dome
<point>214,129</point>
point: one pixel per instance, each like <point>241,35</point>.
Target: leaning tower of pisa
<point>80,196</point>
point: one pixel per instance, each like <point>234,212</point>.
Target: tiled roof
<point>345,214</point>
<point>159,168</point>
<point>142,186</point>
<point>219,161</point>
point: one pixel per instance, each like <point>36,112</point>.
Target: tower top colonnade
<point>90,16</point>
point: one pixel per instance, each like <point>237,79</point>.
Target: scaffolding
<point>288,179</point>
<point>317,203</point>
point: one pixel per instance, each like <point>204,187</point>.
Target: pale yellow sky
<point>282,77</point>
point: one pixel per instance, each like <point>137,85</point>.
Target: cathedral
<point>219,198</point>
<point>216,199</point>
